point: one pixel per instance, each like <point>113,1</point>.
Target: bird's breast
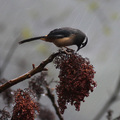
<point>66,41</point>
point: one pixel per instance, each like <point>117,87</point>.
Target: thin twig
<point>28,74</point>
<point>52,98</point>
<point>112,99</point>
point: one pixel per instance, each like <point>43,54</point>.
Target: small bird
<point>63,37</point>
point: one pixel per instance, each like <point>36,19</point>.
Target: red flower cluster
<point>76,79</point>
<point>25,106</point>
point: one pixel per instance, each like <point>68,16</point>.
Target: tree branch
<point>52,98</point>
<point>28,74</point>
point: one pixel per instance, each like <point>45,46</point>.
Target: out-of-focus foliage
<point>26,33</point>
<point>106,30</point>
<point>93,5</point>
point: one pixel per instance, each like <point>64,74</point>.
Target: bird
<point>63,37</point>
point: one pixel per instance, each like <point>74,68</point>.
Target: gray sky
<point>100,20</point>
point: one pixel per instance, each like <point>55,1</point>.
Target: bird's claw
<point>66,50</point>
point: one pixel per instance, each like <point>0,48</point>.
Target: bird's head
<point>82,43</point>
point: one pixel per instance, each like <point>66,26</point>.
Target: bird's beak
<point>78,48</point>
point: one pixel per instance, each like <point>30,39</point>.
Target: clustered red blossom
<point>76,79</point>
<point>25,106</point>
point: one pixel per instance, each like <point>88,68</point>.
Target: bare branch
<point>28,74</point>
<point>52,98</point>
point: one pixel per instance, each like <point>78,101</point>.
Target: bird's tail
<point>32,39</point>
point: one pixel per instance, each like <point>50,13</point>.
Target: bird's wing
<point>58,33</point>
